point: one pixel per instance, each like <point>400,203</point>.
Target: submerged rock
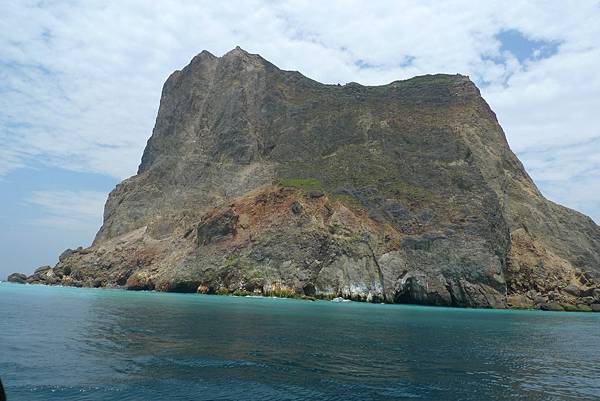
<point>258,180</point>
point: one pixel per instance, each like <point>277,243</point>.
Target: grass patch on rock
<point>305,184</point>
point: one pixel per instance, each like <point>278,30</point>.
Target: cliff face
<point>262,180</point>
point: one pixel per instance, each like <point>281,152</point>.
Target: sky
<point>80,84</point>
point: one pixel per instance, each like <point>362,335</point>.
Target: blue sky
<point>80,84</point>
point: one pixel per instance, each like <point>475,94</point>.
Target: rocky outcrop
<point>18,278</point>
<point>258,180</point>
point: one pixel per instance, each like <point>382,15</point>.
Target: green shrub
<point>242,293</point>
<point>570,308</point>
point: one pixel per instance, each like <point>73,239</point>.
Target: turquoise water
<point>94,344</point>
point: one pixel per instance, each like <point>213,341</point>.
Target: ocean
<point>100,344</point>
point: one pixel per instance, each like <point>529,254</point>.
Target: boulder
<point>588,300</point>
<point>68,252</point>
<point>18,278</point>
<point>140,282</point>
<point>42,269</point>
<point>296,207</point>
<point>518,301</point>
<point>42,275</point>
<point>552,306</point>
<point>572,289</point>
<point>202,289</point>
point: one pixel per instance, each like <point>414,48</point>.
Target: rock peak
<point>239,52</point>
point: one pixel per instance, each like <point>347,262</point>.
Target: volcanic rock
<point>261,180</point>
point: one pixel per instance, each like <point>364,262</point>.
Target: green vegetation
<point>312,184</point>
<point>305,184</point>
<point>242,293</point>
<point>232,261</point>
<point>576,308</point>
<point>435,79</point>
<point>325,296</point>
<point>222,291</point>
<point>570,308</point>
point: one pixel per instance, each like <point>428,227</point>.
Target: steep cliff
<point>262,180</point>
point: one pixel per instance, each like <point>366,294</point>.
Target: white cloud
<point>9,160</point>
<point>79,211</point>
<point>81,81</point>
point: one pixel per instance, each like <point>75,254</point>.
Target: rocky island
<point>262,181</point>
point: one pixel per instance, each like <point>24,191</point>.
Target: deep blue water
<point>94,344</point>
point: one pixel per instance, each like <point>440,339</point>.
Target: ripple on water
<point>81,344</point>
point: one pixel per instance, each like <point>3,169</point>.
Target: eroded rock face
<point>260,180</point>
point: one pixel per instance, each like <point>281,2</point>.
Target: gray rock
<point>573,290</point>
<point>42,275</point>
<point>217,227</point>
<point>553,306</point>
<point>42,269</point>
<point>19,278</point>
<point>519,301</point>
<point>67,253</point>
<point>591,292</point>
<point>588,300</point>
<point>296,207</point>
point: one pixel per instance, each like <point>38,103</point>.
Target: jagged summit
<point>235,54</point>
<point>260,180</point>
<point>239,53</point>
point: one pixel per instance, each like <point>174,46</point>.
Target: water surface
<point>97,344</point>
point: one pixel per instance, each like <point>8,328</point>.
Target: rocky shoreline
<point>568,299</point>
